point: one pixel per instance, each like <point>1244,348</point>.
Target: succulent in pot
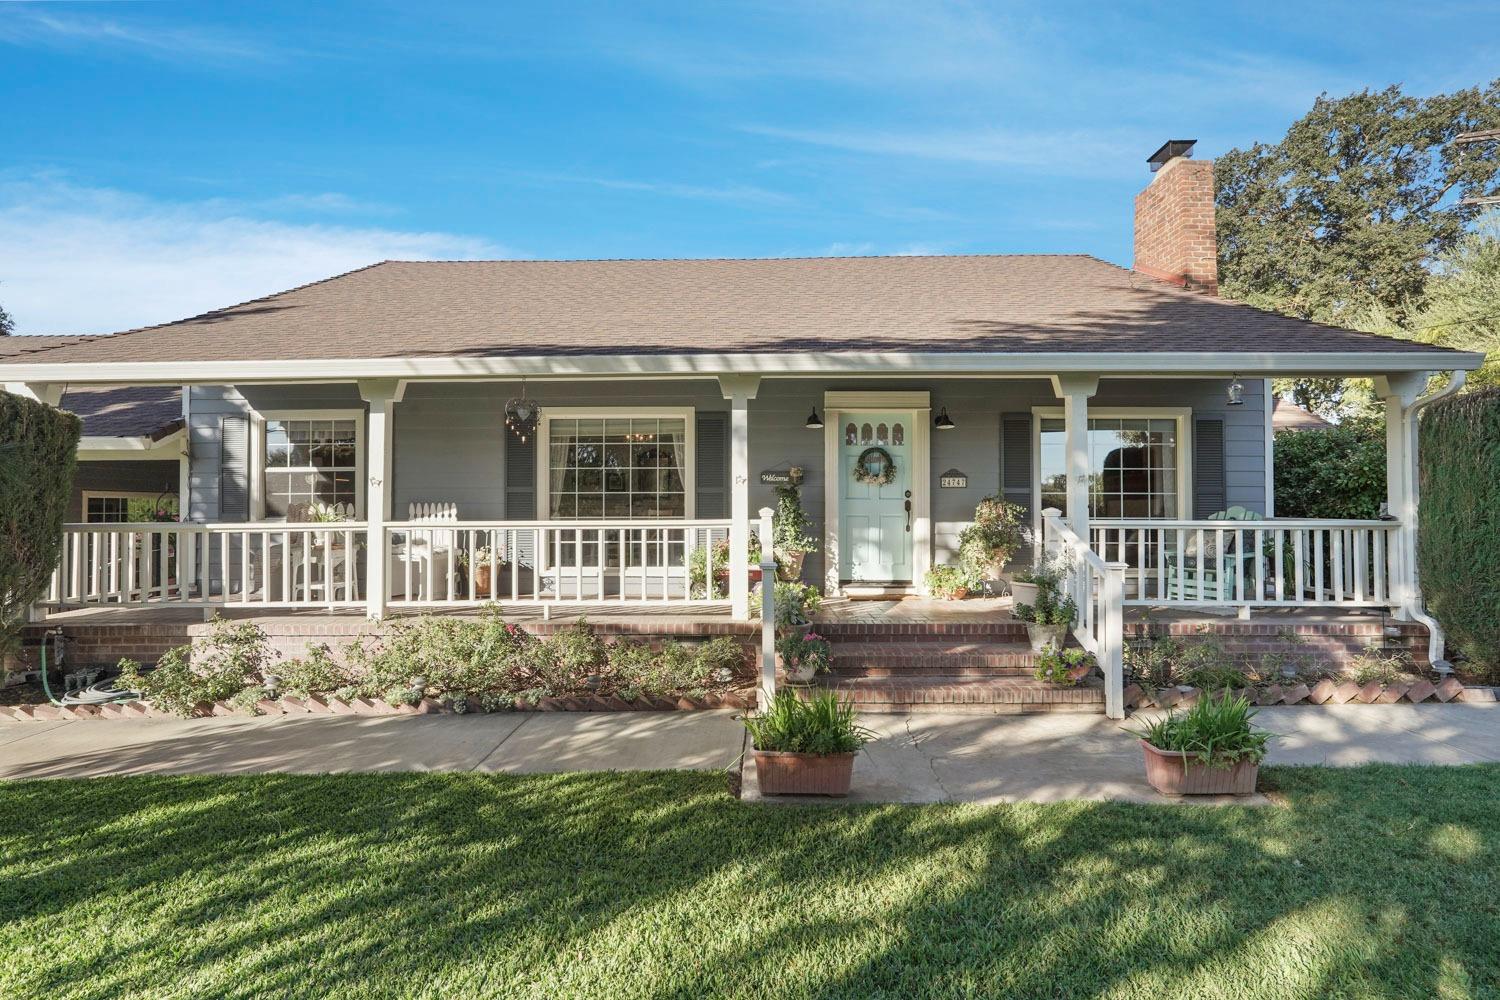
<point>1213,748</point>
<point>1049,619</point>
<point>802,655</point>
<point>805,746</point>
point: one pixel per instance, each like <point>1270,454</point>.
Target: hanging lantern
<point>814,422</point>
<point>1236,392</point>
<point>522,414</point>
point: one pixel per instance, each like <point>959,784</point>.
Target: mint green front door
<point>875,519</point>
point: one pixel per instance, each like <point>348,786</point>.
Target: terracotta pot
<point>1042,636</point>
<point>803,773</point>
<point>482,578</point>
<point>796,673</point>
<point>755,575</point>
<point>958,593</point>
<point>1023,593</point>
<point>1171,773</point>
<point>789,566</point>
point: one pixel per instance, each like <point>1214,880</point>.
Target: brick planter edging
<point>1324,692</point>
<point>376,706</point>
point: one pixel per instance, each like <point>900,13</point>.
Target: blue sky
<point>163,158</point>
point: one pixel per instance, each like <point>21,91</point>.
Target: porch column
<point>1399,393</point>
<point>739,390</point>
<point>1075,391</point>
<point>382,395</point>
<point>50,393</point>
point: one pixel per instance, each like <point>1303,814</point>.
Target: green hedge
<point>1332,472</point>
<point>38,452</point>
<point>1459,556</point>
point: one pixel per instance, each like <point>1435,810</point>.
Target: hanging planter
<point>875,467</point>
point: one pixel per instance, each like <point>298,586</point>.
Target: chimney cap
<point>1171,149</point>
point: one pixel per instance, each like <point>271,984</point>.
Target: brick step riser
<point>994,632</point>
<point>928,670</point>
<point>927,708</point>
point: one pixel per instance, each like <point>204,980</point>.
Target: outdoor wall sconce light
<point>943,421</point>
<point>814,422</point>
<point>1236,392</point>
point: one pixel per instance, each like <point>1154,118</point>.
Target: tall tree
<point>7,325</point>
<point>1345,217</point>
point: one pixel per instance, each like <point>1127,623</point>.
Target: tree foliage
<point>38,451</point>
<point>7,325</point>
<point>1459,554</point>
<point>1331,472</point>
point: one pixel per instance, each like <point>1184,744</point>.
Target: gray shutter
<point>520,493</point>
<point>1015,459</point>
<point>1210,494</point>
<point>711,473</point>
<point>234,469</point>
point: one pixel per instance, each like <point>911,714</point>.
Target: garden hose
<point>94,694</point>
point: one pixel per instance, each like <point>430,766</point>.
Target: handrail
<point>1097,587</point>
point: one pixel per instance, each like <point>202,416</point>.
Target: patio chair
<point>429,552</point>
<point>332,577</point>
<point>1181,568</point>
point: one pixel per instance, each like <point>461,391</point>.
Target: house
<point>132,457</point>
<point>583,430</point>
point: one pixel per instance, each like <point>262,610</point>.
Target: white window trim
<point>1182,414</point>
<point>88,495</point>
<point>688,416</point>
<point>258,421</point>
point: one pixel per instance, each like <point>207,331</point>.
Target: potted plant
<point>795,604</point>
<point>1211,749</point>
<point>1025,584</point>
<point>985,546</point>
<point>803,654</point>
<point>805,747</point>
<point>1064,666</point>
<point>483,570</point>
<point>793,532</point>
<point>1048,620</point>
<point>949,582</point>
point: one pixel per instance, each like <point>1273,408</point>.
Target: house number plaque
<point>953,480</point>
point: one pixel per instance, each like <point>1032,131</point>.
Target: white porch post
<point>739,390</point>
<point>1074,391</point>
<point>1399,393</point>
<point>50,393</point>
<point>767,614</point>
<point>382,395</point>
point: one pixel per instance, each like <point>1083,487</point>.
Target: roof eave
<point>1345,363</point>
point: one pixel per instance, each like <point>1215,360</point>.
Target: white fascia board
<point>99,446</point>
<point>1350,364</point>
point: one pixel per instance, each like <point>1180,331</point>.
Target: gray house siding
<point>450,438</point>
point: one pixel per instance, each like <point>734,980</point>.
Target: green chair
<point>1182,567</point>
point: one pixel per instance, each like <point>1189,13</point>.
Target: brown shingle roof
<point>13,346</point>
<point>134,411</point>
<point>1001,304</point>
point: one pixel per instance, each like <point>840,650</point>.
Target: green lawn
<point>1378,882</point>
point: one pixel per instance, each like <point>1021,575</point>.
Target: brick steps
<point>909,631</point>
<point>957,658</point>
<point>964,695</point>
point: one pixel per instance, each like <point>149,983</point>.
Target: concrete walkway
<point>918,758</point>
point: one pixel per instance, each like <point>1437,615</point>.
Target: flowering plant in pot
<point>805,747</point>
<point>793,531</point>
<point>1048,620</point>
<point>802,655</point>
<point>1064,666</point>
<point>951,583</point>
<point>985,546</point>
<point>1211,749</point>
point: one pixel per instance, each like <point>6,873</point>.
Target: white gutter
<point>1210,363</point>
<point>1436,641</point>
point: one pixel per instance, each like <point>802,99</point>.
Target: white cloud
<point>90,260</point>
<point>22,26</point>
<point>738,193</point>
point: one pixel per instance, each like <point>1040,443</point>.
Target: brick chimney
<point>1174,220</point>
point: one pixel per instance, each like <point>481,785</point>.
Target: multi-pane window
<point>310,461</point>
<point>1133,466</point>
<point>127,508</point>
<point>617,468</point>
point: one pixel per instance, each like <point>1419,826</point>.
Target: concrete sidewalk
<point>918,758</point>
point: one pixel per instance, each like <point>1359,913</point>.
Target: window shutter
<point>1210,494</point>
<point>234,469</point>
<point>520,477</point>
<point>1015,459</point>
<point>711,475</point>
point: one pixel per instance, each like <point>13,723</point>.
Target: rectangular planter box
<point>1170,773</point>
<point>803,773</point>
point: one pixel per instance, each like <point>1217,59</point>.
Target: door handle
<point>908,515</point>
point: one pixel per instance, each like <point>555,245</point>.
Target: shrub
<point>232,657</point>
<point>314,673</point>
<point>1217,732</point>
<point>1379,666</point>
<point>946,580</point>
<point>1459,550</point>
<point>997,532</point>
<point>448,654</point>
<point>1332,472</point>
<point>1159,659</point>
<point>792,528</point>
<point>38,453</point>
<point>636,669</point>
<point>1212,677</point>
<point>822,724</point>
<point>796,602</point>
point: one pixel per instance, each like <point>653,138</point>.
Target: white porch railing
<point>1097,587</point>
<point>272,565</point>
<point>430,564</point>
<point>1276,563</point>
